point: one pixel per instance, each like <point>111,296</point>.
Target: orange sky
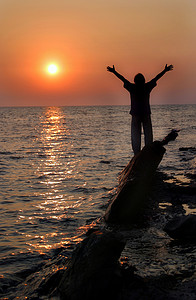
<point>83,37</point>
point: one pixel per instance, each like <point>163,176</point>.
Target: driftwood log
<point>94,270</point>
<point>135,182</point>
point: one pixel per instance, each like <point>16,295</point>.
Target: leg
<point>147,126</point>
<point>136,134</point>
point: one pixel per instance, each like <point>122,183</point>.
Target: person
<point>140,106</point>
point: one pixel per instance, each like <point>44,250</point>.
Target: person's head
<point>139,79</point>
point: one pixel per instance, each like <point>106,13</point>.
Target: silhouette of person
<point>140,106</point>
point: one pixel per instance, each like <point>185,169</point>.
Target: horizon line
<point>95,105</point>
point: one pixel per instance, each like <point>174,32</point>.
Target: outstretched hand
<point>111,69</point>
<point>168,68</point>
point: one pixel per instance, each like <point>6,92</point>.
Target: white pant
<point>136,127</point>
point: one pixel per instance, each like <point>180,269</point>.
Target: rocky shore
<point>124,262</point>
<point>113,263</point>
<point>151,258</point>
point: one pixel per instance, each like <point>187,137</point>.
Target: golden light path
<point>53,170</point>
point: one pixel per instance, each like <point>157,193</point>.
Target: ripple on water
<point>189,209</point>
<point>62,157</point>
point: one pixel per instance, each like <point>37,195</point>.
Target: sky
<point>83,37</point>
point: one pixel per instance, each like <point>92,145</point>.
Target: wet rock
<point>94,269</point>
<point>189,189</point>
<point>183,228</point>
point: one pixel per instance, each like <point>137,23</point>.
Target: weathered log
<point>135,182</point>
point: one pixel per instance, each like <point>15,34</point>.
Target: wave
<point>6,153</point>
<point>16,157</point>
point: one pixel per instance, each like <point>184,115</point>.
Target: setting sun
<point>52,69</point>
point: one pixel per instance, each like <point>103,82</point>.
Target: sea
<point>59,167</point>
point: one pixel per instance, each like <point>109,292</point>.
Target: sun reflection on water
<point>52,172</point>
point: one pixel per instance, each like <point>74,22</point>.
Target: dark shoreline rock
<point>94,269</point>
<point>182,228</point>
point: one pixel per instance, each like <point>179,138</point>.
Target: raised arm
<point>112,70</point>
<point>167,68</point>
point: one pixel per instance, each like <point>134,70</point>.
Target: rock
<point>188,190</point>
<point>183,228</point>
<point>94,271</point>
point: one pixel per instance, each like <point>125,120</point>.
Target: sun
<point>52,69</point>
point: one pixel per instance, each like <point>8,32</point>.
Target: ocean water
<point>58,169</point>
